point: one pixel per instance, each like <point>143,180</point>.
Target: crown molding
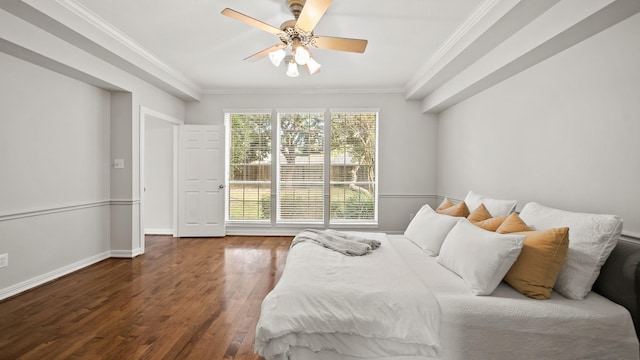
<point>554,29</point>
<point>112,32</point>
<point>493,22</point>
<point>101,24</point>
<point>463,30</point>
<point>280,91</point>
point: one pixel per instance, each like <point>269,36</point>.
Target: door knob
<point>221,187</point>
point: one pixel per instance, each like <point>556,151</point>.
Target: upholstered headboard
<point>619,278</point>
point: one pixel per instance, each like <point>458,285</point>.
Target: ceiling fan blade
<point>311,14</point>
<point>251,21</point>
<point>259,55</point>
<point>341,44</point>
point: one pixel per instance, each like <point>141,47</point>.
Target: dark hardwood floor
<point>189,298</point>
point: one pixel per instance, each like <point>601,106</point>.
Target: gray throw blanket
<point>347,244</point>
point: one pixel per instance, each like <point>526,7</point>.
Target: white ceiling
<point>439,52</point>
<point>208,48</point>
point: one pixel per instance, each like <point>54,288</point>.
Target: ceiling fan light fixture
<point>292,70</point>
<point>302,55</point>
<point>277,56</point>
<point>313,66</point>
<point>296,36</point>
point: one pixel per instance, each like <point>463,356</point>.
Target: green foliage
<point>355,134</point>
<point>250,140</point>
<point>357,206</point>
<point>301,134</point>
<point>265,207</point>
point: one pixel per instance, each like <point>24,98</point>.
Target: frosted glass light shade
<point>302,55</point>
<point>292,71</point>
<point>277,56</point>
<point>313,66</point>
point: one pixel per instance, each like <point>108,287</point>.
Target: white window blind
<point>353,167</point>
<point>249,172</point>
<point>301,167</point>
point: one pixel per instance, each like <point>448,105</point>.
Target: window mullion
<point>327,168</point>
<point>275,165</point>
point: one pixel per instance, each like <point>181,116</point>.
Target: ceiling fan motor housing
<point>296,7</point>
<point>291,33</point>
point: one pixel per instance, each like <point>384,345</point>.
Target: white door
<point>201,181</point>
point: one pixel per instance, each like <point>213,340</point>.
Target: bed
<point>399,303</point>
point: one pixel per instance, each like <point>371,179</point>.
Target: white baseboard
<point>158,231</point>
<point>125,254</point>
<point>51,275</point>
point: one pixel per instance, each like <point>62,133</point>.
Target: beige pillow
<point>459,210</point>
<point>513,223</point>
<point>536,270</point>
<point>446,203</point>
<point>479,214</point>
<point>482,217</point>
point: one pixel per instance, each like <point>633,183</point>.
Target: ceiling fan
<point>296,36</point>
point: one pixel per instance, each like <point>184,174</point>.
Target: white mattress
<point>508,325</point>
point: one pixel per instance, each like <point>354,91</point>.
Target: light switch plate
<point>118,163</point>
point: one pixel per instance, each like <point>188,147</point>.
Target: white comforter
<point>386,309</point>
<point>507,325</point>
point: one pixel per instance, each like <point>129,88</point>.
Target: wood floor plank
<point>188,298</point>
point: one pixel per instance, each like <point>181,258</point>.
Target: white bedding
<point>505,325</point>
<point>325,299</point>
<point>509,325</point>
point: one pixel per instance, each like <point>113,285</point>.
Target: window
<point>301,167</point>
<point>353,167</point>
<point>324,166</point>
<point>249,172</point>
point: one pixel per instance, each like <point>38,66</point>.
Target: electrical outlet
<point>4,260</point>
<point>118,163</point>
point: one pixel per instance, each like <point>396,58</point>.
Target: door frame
<point>145,115</point>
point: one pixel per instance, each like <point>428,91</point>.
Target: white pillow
<point>592,237</point>
<point>496,207</point>
<point>428,229</point>
<point>482,258</point>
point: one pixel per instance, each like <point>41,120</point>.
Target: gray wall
<point>563,133</point>
<point>54,187</point>
<point>62,205</point>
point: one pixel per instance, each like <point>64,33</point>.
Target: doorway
<point>158,173</point>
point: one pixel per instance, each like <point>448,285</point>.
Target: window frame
<point>228,128</point>
<point>277,133</point>
<point>275,165</point>
<point>376,164</point>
